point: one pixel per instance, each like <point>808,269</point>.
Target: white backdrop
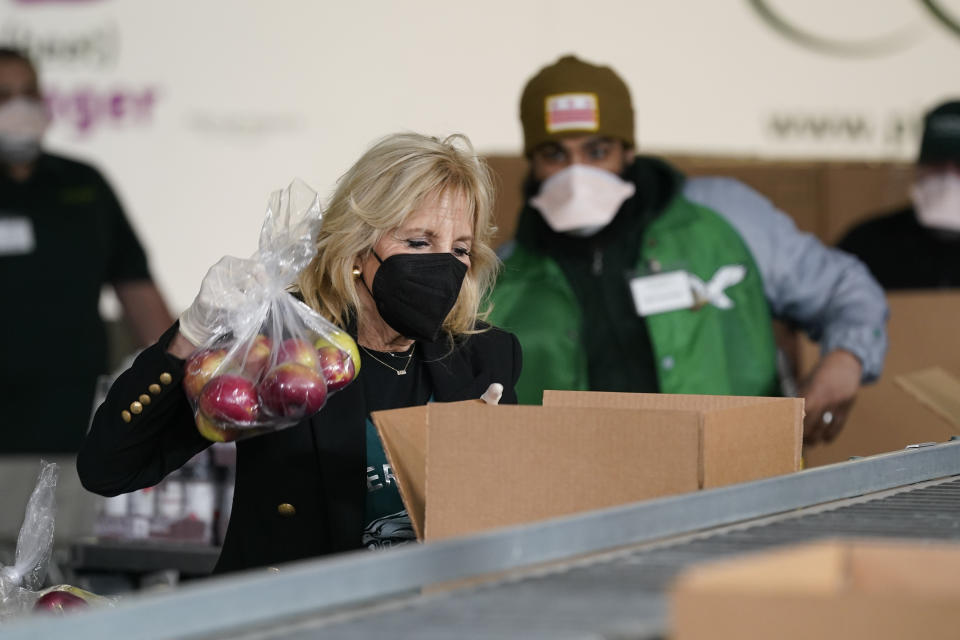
<point>196,110</point>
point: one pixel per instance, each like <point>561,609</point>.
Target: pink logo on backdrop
<point>86,109</point>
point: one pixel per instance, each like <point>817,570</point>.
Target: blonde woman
<point>403,264</point>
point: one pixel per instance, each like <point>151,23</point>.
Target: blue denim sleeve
<point>826,292</point>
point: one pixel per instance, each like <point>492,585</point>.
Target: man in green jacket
<point>625,276</point>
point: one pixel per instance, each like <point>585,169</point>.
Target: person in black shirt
<point>918,247</point>
<point>63,235</point>
<point>403,264</point>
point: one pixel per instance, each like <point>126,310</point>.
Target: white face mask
<point>936,199</point>
<point>23,122</point>
<point>581,200</point>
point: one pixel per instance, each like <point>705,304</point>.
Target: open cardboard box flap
<point>743,438</point>
<point>466,466</point>
<point>858,589</point>
<point>935,389</point>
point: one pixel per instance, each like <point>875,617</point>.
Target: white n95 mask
<point>23,122</point>
<point>581,200</point>
<point>936,199</point>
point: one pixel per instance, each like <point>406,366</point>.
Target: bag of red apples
<point>270,360</point>
<point>20,583</point>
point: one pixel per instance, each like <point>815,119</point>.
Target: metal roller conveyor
<point>601,574</point>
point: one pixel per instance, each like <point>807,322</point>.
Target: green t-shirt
<point>387,522</point>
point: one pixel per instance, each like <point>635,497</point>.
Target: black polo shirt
<point>903,254</point>
<point>63,235</point>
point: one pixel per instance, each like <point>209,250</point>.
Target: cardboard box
<point>855,590</point>
<point>935,389</point>
<point>887,416</point>
<point>464,467</point>
<point>741,438</point>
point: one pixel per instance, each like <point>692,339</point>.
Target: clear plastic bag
<point>272,360</point>
<point>20,583</point>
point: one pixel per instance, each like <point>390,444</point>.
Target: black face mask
<point>414,292</point>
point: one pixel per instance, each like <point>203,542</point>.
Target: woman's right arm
<point>119,456</point>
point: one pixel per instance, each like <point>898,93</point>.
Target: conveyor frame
<point>258,599</point>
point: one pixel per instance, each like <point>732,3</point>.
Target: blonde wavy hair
<point>390,181</point>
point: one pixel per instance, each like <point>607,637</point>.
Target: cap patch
<point>572,111</point>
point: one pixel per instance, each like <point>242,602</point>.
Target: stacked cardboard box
<point>465,467</point>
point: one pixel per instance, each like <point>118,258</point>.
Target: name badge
<point>16,236</point>
<point>662,292</point>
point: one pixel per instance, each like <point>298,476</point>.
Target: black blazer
<point>317,466</point>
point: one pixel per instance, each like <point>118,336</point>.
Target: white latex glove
<point>493,393</point>
<point>230,292</point>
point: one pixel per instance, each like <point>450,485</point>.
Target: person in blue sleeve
<point>626,276</point>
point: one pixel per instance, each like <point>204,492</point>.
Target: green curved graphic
<point>877,46</point>
<point>942,16</point>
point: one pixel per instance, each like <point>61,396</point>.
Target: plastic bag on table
<point>20,581</point>
<point>272,360</point>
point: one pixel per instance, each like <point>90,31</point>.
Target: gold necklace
<point>399,372</point>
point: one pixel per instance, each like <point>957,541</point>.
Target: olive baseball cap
<point>572,97</point>
<point>941,134</point>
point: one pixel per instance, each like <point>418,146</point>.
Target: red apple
<point>258,357</point>
<point>59,601</point>
<point>293,390</point>
<point>230,398</point>
<point>223,433</point>
<point>294,350</point>
<point>337,367</point>
<point>200,368</point>
<point>215,432</point>
<point>343,340</point>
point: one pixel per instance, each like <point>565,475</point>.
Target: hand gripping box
<point>850,589</point>
<point>887,415</point>
<point>464,467</point>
